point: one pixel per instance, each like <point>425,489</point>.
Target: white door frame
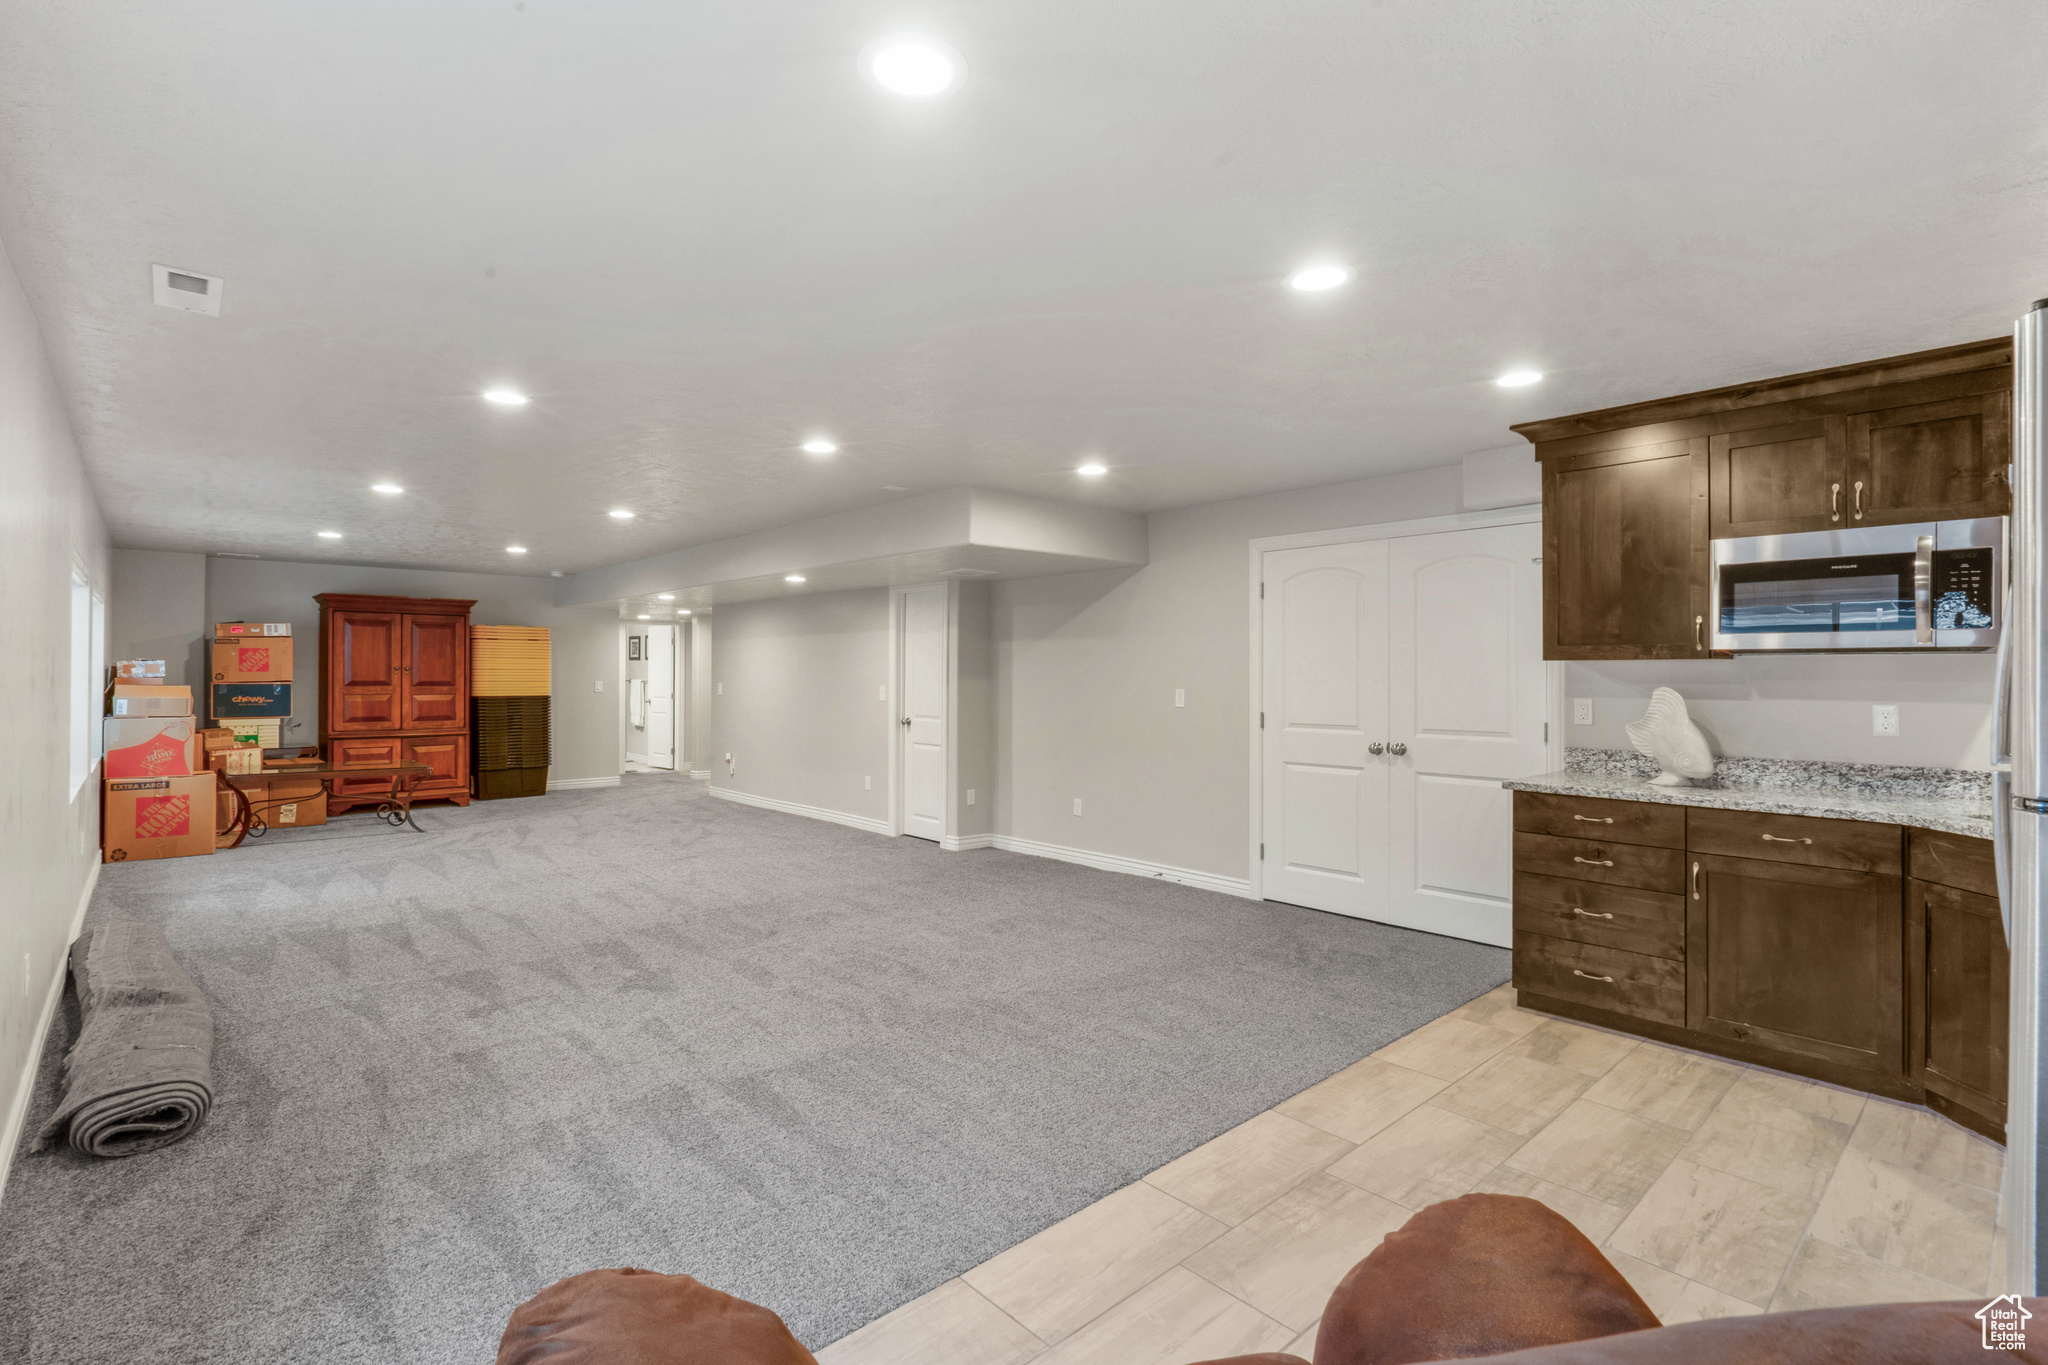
<point>1553,673</point>
<point>895,699</point>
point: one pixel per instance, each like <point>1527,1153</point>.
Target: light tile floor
<point>1716,1188</point>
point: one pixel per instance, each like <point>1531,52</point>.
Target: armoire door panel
<point>448,755</point>
<point>364,671</point>
<point>435,673</point>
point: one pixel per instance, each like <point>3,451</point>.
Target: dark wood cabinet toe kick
<point>1856,953</point>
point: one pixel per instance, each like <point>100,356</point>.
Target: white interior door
<point>1467,700</point>
<point>661,697</point>
<point>921,725</point>
<point>1325,697</point>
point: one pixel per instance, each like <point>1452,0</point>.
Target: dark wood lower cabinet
<point>1816,958</point>
<point>1802,960</point>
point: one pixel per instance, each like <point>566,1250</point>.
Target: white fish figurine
<point>1667,734</point>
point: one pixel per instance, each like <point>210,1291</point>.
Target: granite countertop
<point>1949,799</point>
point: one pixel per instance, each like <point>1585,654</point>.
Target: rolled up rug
<point>140,1075</point>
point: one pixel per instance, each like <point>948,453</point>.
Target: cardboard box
<point>156,817</point>
<point>236,630</point>
<point>152,746</point>
<point>143,699</point>
<point>232,701</point>
<point>252,660</point>
<point>256,730</point>
<point>243,759</point>
<point>217,737</point>
<point>279,802</point>
<point>141,670</point>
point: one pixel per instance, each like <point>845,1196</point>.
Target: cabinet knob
<point>1593,862</point>
<point>1590,977</point>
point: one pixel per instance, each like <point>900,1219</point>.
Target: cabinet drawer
<point>1590,860</point>
<point>1647,922</point>
<point>1605,978</point>
<point>1586,817</point>
<point>1857,845</point>
<point>1953,860</point>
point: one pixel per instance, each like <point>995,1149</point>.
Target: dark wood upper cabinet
<point>1625,553</point>
<point>436,673</point>
<point>1632,495</point>
<point>363,673</point>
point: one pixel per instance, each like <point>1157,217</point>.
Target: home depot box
<point>157,817</point>
<point>143,699</point>
<point>141,670</point>
<point>251,699</point>
<point>152,746</point>
<point>253,660</point>
<point>236,630</point>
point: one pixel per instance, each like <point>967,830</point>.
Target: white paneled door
<point>1325,702</point>
<point>1467,699</point>
<point>921,724</point>
<point>1403,679</point>
<point>661,697</point>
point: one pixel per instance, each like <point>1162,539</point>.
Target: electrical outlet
<point>970,796</point>
<point>1884,720</point>
<point>1582,710</point>
<point>1077,805</point>
<point>1180,696</point>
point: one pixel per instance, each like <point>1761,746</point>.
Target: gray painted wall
<point>973,699</point>
<point>585,641</point>
<point>159,612</point>
<point>49,836</point>
<point>800,712</point>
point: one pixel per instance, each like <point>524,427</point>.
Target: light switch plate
<point>1180,696</point>
<point>970,796</point>
<point>600,684</point>
<point>1582,710</point>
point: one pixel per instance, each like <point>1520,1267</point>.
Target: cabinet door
<point>1930,461</point>
<point>1958,981</point>
<point>1776,480</point>
<point>1625,553</point>
<point>436,673</point>
<point>1805,960</point>
<point>448,755</point>
<point>380,751</point>
<point>363,674</point>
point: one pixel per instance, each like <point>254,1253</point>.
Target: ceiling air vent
<point>186,289</point>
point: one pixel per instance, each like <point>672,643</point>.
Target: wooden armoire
<point>394,688</point>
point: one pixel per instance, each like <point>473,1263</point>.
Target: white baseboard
<point>1109,862</point>
<point>837,817</point>
<point>963,843</point>
<point>24,1089</point>
<point>568,784</point>
<point>701,774</point>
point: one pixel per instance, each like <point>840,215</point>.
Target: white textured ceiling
<point>695,235</point>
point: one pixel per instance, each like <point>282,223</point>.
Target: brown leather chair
<point>638,1317</point>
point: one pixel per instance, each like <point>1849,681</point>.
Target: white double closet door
<point>1403,678</point>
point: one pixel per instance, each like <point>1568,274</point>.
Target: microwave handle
<point>1923,592</point>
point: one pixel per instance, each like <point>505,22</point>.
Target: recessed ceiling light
<point>916,67</point>
<point>515,549</point>
<point>622,514</point>
<point>329,535</point>
<point>682,611</point>
<point>506,398</point>
<point>1315,279</point>
<point>385,488</point>
<point>792,578</point>
<point>664,597</point>
<point>1094,469</point>
<point>894,488</point>
<point>1519,379</point>
<point>819,445</point>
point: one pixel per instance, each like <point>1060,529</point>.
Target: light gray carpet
<point>639,1026</point>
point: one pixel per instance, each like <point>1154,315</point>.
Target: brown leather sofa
<point>1486,1276</point>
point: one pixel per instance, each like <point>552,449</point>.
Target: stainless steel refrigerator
<point>2019,756</point>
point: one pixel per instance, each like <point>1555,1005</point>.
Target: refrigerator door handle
<point>2001,780</point>
<point>1923,592</point>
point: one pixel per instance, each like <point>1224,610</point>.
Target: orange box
<point>138,699</point>
<point>256,659</point>
<point>156,817</point>
<point>152,746</point>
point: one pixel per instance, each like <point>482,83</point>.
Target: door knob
<point>906,720</point>
<point>1375,748</point>
<point>1397,749</point>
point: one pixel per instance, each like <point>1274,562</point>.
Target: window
<point>96,686</point>
<point>83,692</point>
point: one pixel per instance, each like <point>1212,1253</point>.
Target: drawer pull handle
<point>1595,819</point>
<point>1590,977</point>
<point>1593,914</point>
<point>1775,839</point>
<point>1695,881</point>
<point>1593,862</point>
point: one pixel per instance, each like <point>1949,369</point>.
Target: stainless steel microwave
<point>1930,585</point>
